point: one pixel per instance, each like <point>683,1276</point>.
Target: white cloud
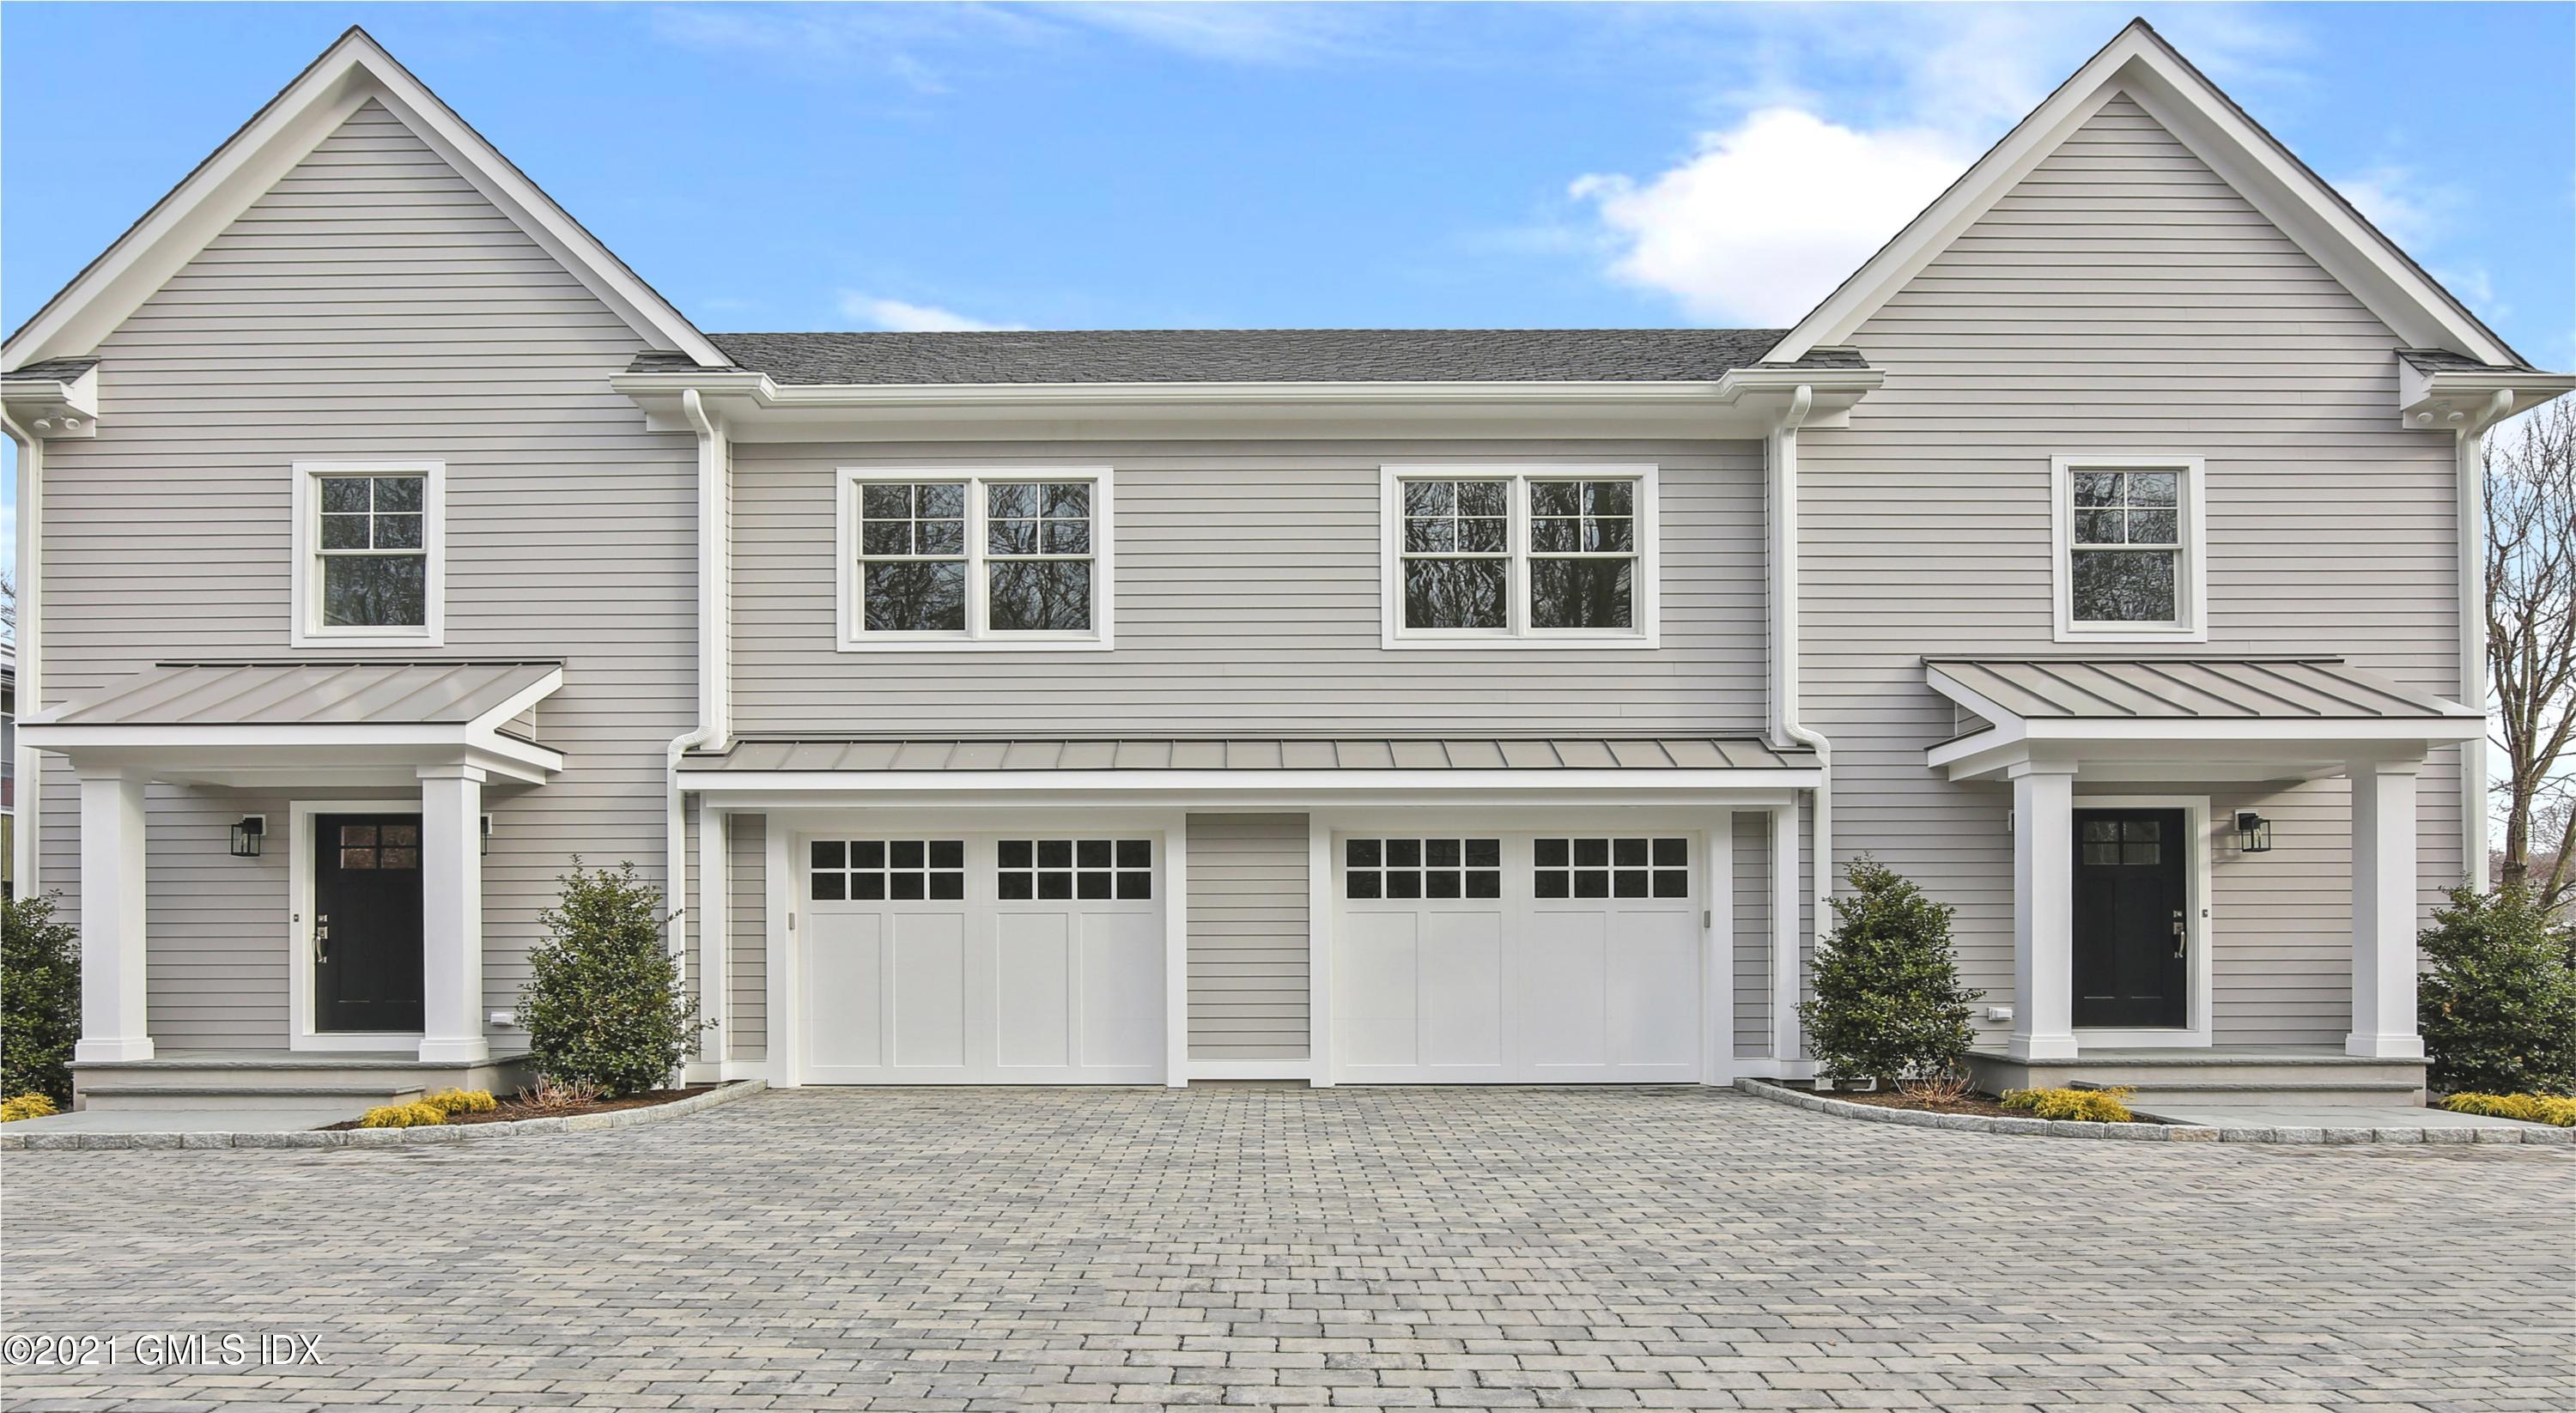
<point>903,316</point>
<point>2410,212</point>
<point>1250,32</point>
<point>1769,215</point>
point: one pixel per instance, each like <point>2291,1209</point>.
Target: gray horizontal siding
<point>1248,936</point>
<point>2122,297</point>
<point>373,305</point>
<point>1247,600</point>
<point>745,920</point>
<point>1752,958</point>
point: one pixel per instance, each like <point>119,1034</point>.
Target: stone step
<point>336,1099</point>
<point>2321,1091</point>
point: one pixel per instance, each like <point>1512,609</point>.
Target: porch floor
<point>2254,1113</point>
<point>246,1119</point>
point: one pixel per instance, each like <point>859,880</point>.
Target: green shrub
<point>461,1101</point>
<point>39,999</point>
<point>2497,1005</point>
<point>2530,1108</point>
<point>27,1106</point>
<point>413,1115</point>
<point>2100,1106</point>
<point>1889,1005</point>
<point>605,1003</point>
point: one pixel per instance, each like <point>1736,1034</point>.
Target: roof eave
<point>2472,399</point>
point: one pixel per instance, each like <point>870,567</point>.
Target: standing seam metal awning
<point>866,756</point>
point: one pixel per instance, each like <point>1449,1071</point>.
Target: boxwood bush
<point>1889,1005</point>
<point>39,999</point>
<point>605,1003</point>
<point>2497,1003</point>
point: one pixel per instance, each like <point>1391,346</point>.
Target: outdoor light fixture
<point>247,835</point>
<point>2253,833</point>
<point>487,834</point>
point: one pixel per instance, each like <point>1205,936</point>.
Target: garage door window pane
<point>1422,868</point>
<point>874,870</point>
<point>1611,868</point>
<point>1056,869</point>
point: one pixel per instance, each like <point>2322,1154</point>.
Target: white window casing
<point>2190,548</point>
<point>307,629</point>
<point>1519,554</point>
<point>975,554</point>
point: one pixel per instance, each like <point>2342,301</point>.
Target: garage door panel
<point>1461,989</point>
<point>1654,990</point>
<point>929,1008</point>
<point>1564,1016</point>
<point>1122,989</point>
<point>1033,989</point>
<point>1375,991</point>
<point>845,990</point>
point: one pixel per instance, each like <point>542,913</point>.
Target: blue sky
<point>1121,166</point>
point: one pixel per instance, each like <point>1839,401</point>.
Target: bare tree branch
<point>2531,630</point>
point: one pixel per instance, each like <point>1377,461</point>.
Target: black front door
<point>2131,925</point>
<point>366,922</point>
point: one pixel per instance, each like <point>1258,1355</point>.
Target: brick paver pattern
<point>1507,1248</point>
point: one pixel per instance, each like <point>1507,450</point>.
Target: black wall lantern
<point>247,835</point>
<point>2253,833</point>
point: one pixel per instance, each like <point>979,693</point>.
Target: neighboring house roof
<point>312,693</point>
<point>352,72</point>
<point>2179,689</point>
<point>2139,63</point>
<point>1256,753</point>
<point>1252,356</point>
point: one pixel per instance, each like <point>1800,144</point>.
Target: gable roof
<point>1252,356</point>
<point>2139,63</point>
<point>334,86</point>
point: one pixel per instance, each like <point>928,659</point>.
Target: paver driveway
<point>1484,1248</point>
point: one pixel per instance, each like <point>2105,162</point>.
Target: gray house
<point>1348,707</point>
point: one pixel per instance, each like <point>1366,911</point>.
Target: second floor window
<point>1523,555</point>
<point>368,545</point>
<point>992,558</point>
<point>2128,548</point>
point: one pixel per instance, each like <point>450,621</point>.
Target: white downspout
<point>2469,447</point>
<point>1784,675</point>
<point>712,663</point>
<point>31,653</point>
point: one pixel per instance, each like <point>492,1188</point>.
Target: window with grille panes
<point>1046,869</point>
<point>887,870</point>
<point>1422,868</point>
<point>1521,555</point>
<point>1592,867</point>
<point>985,557</point>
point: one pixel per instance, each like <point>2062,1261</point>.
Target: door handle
<point>2181,932</point>
<point>321,937</point>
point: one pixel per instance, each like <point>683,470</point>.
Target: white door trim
<point>2204,934</point>
<point>300,1034</point>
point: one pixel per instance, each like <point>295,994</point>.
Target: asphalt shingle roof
<point>1254,355</point>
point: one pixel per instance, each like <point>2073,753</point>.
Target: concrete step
<point>335,1097</point>
<point>2243,1074</point>
<point>2322,1091</point>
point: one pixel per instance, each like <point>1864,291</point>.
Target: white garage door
<point>1533,958</point>
<point>983,959</point>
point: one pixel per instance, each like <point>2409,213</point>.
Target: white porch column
<point>2383,912</point>
<point>2043,912</point>
<point>1788,938</point>
<point>451,914</point>
<point>111,922</point>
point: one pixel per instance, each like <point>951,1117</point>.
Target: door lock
<point>2181,932</point>
<point>321,937</point>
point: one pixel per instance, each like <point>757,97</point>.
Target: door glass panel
<point>1422,868</point>
<point>1075,868</point>
<point>872,870</point>
<point>1611,868</point>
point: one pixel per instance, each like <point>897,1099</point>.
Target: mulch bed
<point>1896,1099</point>
<point>512,1109</point>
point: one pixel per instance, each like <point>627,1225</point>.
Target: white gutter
<point>713,652</point>
<point>29,806</point>
<point>2469,448</point>
<point>1783,449</point>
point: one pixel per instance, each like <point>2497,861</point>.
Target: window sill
<point>2133,635</point>
<point>1587,641</point>
<point>1029,644</point>
<point>368,638</point>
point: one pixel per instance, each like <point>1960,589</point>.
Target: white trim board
<point>300,1034</point>
<point>2139,63</point>
<point>2199,973</point>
